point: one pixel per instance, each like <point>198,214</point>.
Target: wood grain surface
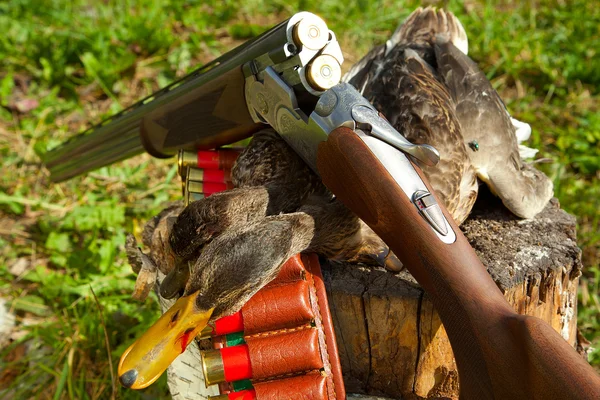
<point>499,353</point>
<point>380,314</point>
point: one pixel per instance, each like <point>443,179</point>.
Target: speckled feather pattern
<point>401,82</point>
<point>268,161</point>
<point>242,260</point>
<point>202,220</point>
<point>420,107</point>
<point>483,118</point>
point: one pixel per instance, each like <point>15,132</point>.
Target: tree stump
<point>390,338</point>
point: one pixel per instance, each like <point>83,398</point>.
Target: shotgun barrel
<point>203,110</point>
<point>288,78</point>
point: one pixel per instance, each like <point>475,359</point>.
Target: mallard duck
<point>484,119</point>
<point>230,269</point>
<point>423,81</point>
<point>233,243</point>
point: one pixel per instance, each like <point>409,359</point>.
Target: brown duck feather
<point>420,107</point>
<point>484,119</point>
<point>388,75</point>
<point>269,162</point>
<point>242,260</point>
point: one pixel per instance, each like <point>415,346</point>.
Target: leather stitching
<point>283,330</point>
<point>314,286</point>
<point>288,375</point>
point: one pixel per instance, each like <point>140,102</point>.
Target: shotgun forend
<point>289,78</point>
<point>207,108</point>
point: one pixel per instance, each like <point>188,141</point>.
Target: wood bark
<point>390,338</point>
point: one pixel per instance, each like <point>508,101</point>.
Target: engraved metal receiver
<point>288,77</point>
<point>206,108</point>
<point>305,124</point>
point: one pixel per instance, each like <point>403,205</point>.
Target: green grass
<point>82,60</point>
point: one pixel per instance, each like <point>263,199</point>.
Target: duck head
<point>230,270</point>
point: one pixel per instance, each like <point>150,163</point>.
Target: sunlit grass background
<point>66,63</point>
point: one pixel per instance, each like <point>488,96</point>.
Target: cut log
<point>390,338</point>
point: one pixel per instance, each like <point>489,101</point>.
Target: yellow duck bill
<point>148,357</point>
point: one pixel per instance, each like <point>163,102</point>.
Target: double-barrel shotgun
<point>289,78</point>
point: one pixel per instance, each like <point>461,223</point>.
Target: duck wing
<point>484,119</point>
<point>207,218</point>
<point>268,161</point>
<point>242,260</point>
<point>408,93</point>
<point>418,32</point>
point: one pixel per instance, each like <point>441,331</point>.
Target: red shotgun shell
<point>217,159</point>
<point>227,364</point>
<point>236,360</point>
<point>230,324</point>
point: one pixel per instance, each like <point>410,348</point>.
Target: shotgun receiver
<point>289,78</point>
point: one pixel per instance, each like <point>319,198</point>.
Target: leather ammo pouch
<point>281,344</point>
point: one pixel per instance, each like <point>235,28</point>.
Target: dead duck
<point>400,80</point>
<point>229,270</point>
<point>271,179</point>
<point>485,121</point>
<point>424,82</point>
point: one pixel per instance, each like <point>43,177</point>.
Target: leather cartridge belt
<point>281,344</point>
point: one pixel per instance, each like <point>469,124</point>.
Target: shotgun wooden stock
<point>499,353</point>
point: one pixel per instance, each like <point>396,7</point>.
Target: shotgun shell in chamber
<point>311,32</point>
<point>227,364</point>
<point>324,72</point>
